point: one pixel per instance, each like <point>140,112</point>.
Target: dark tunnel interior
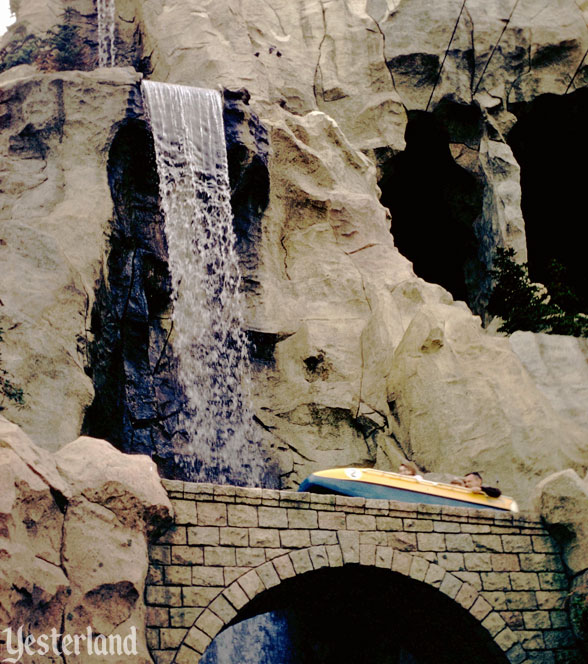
<point>434,203</point>
<point>369,615</point>
<point>550,143</point>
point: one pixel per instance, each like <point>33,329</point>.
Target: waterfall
<point>208,332</point>
<point>106,47</point>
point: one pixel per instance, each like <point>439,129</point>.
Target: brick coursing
<point>229,544</point>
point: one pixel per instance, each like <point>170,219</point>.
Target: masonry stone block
<point>361,522</point>
<point>335,556</point>
<point>430,542</point>
<point>506,639</point>
<point>521,599</point>
<point>402,541</point>
<point>273,517</point>
<point>284,567</point>
<point>418,568</point>
<point>187,555</point>
<point>233,573</point>
<point>384,557</point>
<point>331,520</point>
<point>299,519</point>
<point>231,536</point>
<point>451,561</point>
<point>517,543</point>
<point>250,557</point>
<point>171,637</point>
<point>505,562</point>
<point>201,535</point>
<point>495,581</point>
<point>524,581</point>
<point>199,596</point>
<point>185,512</point>
<point>197,640</point>
<point>163,595</point>
<point>251,584</point>
<point>493,623</point>
<point>301,561</point>
<point>319,557</point>
<point>212,514</point>
<point>268,575</point>
<point>434,576</point>
<point>322,537</point>
<point>236,596</point>
<point>290,539</point>
<point>550,599</point>
<point>349,543</point>
<point>242,516</point>
<point>401,562</point>
<point>418,525</point>
<point>367,554</point>
<point>478,562</point>
<point>219,556</point>
<point>461,542</point>
<point>209,623</point>
<point>388,523</point>
<point>184,616</point>
<point>480,609</point>
<point>206,576</point>
<point>466,596</point>
<point>487,543</point>
<point>450,585</point>
<point>178,575</point>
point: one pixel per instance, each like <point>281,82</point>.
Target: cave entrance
<point>550,141</point>
<point>434,202</point>
<point>349,615</point>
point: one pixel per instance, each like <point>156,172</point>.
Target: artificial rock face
<point>358,360</point>
<point>74,538</point>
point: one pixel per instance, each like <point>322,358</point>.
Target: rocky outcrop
<point>562,500</point>
<point>559,368</point>
<point>55,214</point>
<point>358,360</point>
<point>74,531</point>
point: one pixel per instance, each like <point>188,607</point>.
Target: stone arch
<point>223,608</point>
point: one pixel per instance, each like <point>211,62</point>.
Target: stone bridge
<point>237,552</point>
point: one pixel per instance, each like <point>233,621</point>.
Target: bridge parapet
<point>229,544</point>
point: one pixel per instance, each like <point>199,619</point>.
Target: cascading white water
<point>106,47</point>
<point>209,340</point>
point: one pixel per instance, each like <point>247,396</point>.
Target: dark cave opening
<point>434,202</point>
<point>354,614</point>
<point>550,141</point>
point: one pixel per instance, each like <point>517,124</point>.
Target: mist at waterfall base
<point>208,308</point>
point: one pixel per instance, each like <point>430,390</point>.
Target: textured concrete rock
<point>559,367</point>
<point>562,500</point>
<point>73,538</point>
<point>55,211</point>
<point>357,356</point>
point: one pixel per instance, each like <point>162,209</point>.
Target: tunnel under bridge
<point>452,582</point>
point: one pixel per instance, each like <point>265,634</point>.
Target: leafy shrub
<point>62,48</point>
<point>524,305</point>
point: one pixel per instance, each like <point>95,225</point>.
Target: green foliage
<point>20,52</point>
<point>8,390</point>
<point>62,48</point>
<point>65,42</point>
<point>524,305</point>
